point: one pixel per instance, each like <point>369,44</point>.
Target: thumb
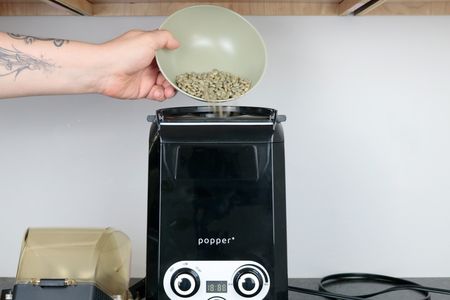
<point>163,39</point>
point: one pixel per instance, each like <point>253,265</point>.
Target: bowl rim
<point>229,11</point>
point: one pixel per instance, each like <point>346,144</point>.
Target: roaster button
<point>185,282</point>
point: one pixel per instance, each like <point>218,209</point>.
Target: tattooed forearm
<point>30,39</point>
<point>14,62</point>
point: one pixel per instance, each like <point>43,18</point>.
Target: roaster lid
<point>214,114</point>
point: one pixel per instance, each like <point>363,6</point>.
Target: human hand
<point>123,68</point>
<point>128,67</point>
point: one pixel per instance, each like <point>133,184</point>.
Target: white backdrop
<point>367,144</point>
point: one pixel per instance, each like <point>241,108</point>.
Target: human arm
<point>122,68</point>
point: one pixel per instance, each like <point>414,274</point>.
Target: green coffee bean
<point>213,85</point>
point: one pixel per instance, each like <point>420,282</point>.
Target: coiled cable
<point>397,284</point>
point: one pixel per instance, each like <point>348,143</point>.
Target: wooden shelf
<point>244,7</point>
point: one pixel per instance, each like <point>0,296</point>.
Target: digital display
<point>216,286</point>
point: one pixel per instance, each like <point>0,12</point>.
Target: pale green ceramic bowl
<point>212,37</point>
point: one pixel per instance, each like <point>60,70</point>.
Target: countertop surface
<point>360,288</point>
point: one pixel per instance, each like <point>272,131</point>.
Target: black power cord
<point>397,284</point>
<point>323,294</point>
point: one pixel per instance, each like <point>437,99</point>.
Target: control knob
<point>185,282</point>
<point>248,282</point>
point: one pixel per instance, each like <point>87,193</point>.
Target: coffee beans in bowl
<point>215,85</point>
<point>212,37</point>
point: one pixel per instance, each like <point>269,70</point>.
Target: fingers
<point>163,39</point>
<point>169,92</point>
<point>160,80</point>
<point>165,85</point>
<point>156,93</point>
<point>160,93</point>
<point>160,88</point>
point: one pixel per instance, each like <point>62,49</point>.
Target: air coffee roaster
<point>216,207</point>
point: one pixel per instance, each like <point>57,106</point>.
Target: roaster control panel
<point>216,280</point>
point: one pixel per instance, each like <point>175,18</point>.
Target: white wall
<point>368,144</point>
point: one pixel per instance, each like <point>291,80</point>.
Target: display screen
<point>216,286</point>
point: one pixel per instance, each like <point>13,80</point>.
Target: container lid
<point>216,114</point>
<point>98,256</point>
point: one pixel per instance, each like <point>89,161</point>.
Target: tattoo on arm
<point>14,62</point>
<point>30,39</point>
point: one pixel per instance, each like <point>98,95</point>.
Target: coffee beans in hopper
<point>214,85</point>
